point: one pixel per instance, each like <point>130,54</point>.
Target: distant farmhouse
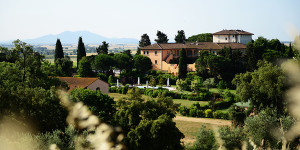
<point>87,83</point>
<point>162,54</point>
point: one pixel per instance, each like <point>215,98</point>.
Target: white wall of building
<point>244,39</point>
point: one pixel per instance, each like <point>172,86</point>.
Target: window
<point>167,52</point>
<point>196,52</point>
<point>189,53</point>
<point>98,89</point>
<point>155,53</point>
<point>155,62</point>
<point>233,36</point>
<point>147,52</point>
<point>144,52</point>
<point>218,36</point>
<point>225,38</point>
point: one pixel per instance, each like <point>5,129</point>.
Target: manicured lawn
<point>215,90</point>
<point>118,96</point>
<point>188,103</point>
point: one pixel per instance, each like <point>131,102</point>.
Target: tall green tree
<point>290,51</point>
<point>59,53</point>
<point>142,64</point>
<point>80,50</point>
<point>264,87</point>
<point>103,49</point>
<point>182,70</point>
<point>161,37</point>
<point>84,68</point>
<point>103,63</point>
<point>123,62</point>
<point>180,37</point>
<point>145,40</point>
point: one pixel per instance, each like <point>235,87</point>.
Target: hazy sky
<point>26,19</point>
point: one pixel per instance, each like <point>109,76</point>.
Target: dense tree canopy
<point>64,67</point>
<point>148,123</point>
<point>123,62</point>
<point>27,92</point>
<point>100,104</point>
<point>142,64</point>
<point>264,87</point>
<point>180,37</point>
<point>161,37</point>
<point>103,63</point>
<point>205,37</point>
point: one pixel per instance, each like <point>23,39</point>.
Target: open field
<point>118,96</point>
<point>190,126</point>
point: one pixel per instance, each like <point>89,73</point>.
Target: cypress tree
<point>182,71</point>
<point>145,40</point>
<point>59,53</point>
<point>80,50</point>
<point>290,53</point>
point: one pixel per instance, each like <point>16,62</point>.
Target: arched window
<point>98,89</point>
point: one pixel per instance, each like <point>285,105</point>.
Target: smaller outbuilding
<point>86,83</point>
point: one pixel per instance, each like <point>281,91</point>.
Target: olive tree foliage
<point>181,85</point>
<point>264,129</point>
<point>232,137</point>
<point>264,87</point>
<point>205,140</point>
<point>196,84</point>
<point>148,124</point>
<point>209,83</point>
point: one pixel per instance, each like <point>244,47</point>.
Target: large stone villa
<point>162,54</point>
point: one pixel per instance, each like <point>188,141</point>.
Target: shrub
<point>208,113</point>
<point>125,90</point>
<point>218,114</point>
<point>183,110</point>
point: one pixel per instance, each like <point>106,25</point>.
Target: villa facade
<point>162,53</point>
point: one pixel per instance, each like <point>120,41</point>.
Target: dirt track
<point>204,120</point>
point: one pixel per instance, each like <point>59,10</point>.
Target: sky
<point>26,19</point>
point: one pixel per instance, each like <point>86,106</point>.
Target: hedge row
<point>204,96</point>
<point>202,112</point>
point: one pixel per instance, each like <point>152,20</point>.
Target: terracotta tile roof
<point>233,45</point>
<point>77,82</point>
<point>194,45</point>
<point>231,32</point>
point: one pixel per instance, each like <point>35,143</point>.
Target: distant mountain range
<point>69,37</point>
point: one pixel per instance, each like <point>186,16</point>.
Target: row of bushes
<point>204,96</point>
<point>202,112</point>
<point>121,90</point>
